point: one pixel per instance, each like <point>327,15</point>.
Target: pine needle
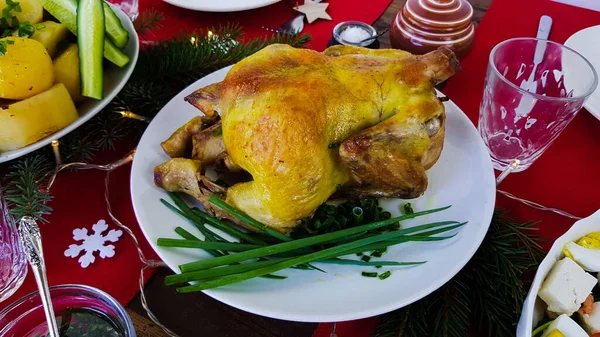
<point>77,147</point>
<point>25,192</point>
<point>149,21</point>
<point>486,296</point>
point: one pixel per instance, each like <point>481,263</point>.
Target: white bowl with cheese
<point>565,280</point>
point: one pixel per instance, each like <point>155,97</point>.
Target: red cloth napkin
<point>252,21</point>
<point>565,176</point>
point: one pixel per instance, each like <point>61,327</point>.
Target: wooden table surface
<point>196,314</point>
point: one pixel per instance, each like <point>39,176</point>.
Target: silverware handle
<point>542,33</point>
<point>42,283</point>
<point>31,240</point>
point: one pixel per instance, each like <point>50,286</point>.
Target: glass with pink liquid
<point>533,89</point>
<point>13,263</point>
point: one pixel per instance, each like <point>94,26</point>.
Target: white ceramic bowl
<point>533,308</point>
<point>114,80</point>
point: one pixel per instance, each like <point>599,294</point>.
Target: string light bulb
<point>129,114</point>
<point>56,150</point>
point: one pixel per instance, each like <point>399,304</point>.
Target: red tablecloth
<point>565,176</point>
<point>178,19</point>
<point>79,195</point>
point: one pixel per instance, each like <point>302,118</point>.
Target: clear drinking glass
<point>13,262</point>
<point>533,89</point>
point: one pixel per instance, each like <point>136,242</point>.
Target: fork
<point>293,26</point>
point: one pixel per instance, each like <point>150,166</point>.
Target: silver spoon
<point>293,26</point>
<point>31,240</point>
<point>375,36</point>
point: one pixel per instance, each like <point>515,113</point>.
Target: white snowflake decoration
<point>92,243</point>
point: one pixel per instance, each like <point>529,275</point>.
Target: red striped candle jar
<point>424,25</point>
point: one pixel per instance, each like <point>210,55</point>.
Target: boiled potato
<point>31,10</point>
<point>26,69</point>
<point>50,34</point>
<point>25,122</point>
<point>66,71</point>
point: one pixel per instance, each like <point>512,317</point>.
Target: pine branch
<point>148,22</point>
<point>25,192</point>
<point>406,322</point>
<point>78,147</point>
<point>174,61</point>
<point>450,308</point>
<point>486,295</point>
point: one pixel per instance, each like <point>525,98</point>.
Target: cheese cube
<point>566,287</point>
<point>591,322</point>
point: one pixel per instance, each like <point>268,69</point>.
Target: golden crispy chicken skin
<point>302,123</point>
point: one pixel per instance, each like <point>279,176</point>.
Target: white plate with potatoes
<point>39,82</point>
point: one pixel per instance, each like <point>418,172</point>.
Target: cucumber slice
<point>114,29</point>
<point>65,11</point>
<point>90,38</point>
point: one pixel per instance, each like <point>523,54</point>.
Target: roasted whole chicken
<point>303,126</point>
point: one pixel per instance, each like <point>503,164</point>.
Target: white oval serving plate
<point>463,177</point>
<point>114,80</point>
<point>533,308</point>
<point>584,42</point>
<point>220,6</point>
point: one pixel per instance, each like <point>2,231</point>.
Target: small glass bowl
<point>26,314</point>
<point>340,27</point>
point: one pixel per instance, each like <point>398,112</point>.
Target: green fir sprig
<point>25,191</point>
<point>149,21</point>
<point>484,298</point>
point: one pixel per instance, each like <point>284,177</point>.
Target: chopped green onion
<point>366,258</point>
<point>540,329</point>
<point>407,208</point>
<point>385,275</point>
<point>310,241</point>
<point>193,220</point>
<point>25,29</point>
<point>319,255</point>
<point>212,221</point>
<point>233,247</point>
<point>376,263</point>
<point>217,272</point>
<point>246,218</point>
<point>189,236</point>
<point>359,254</point>
<point>357,213</point>
<point>368,274</point>
<point>274,277</point>
<point>227,228</point>
<point>379,252</point>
